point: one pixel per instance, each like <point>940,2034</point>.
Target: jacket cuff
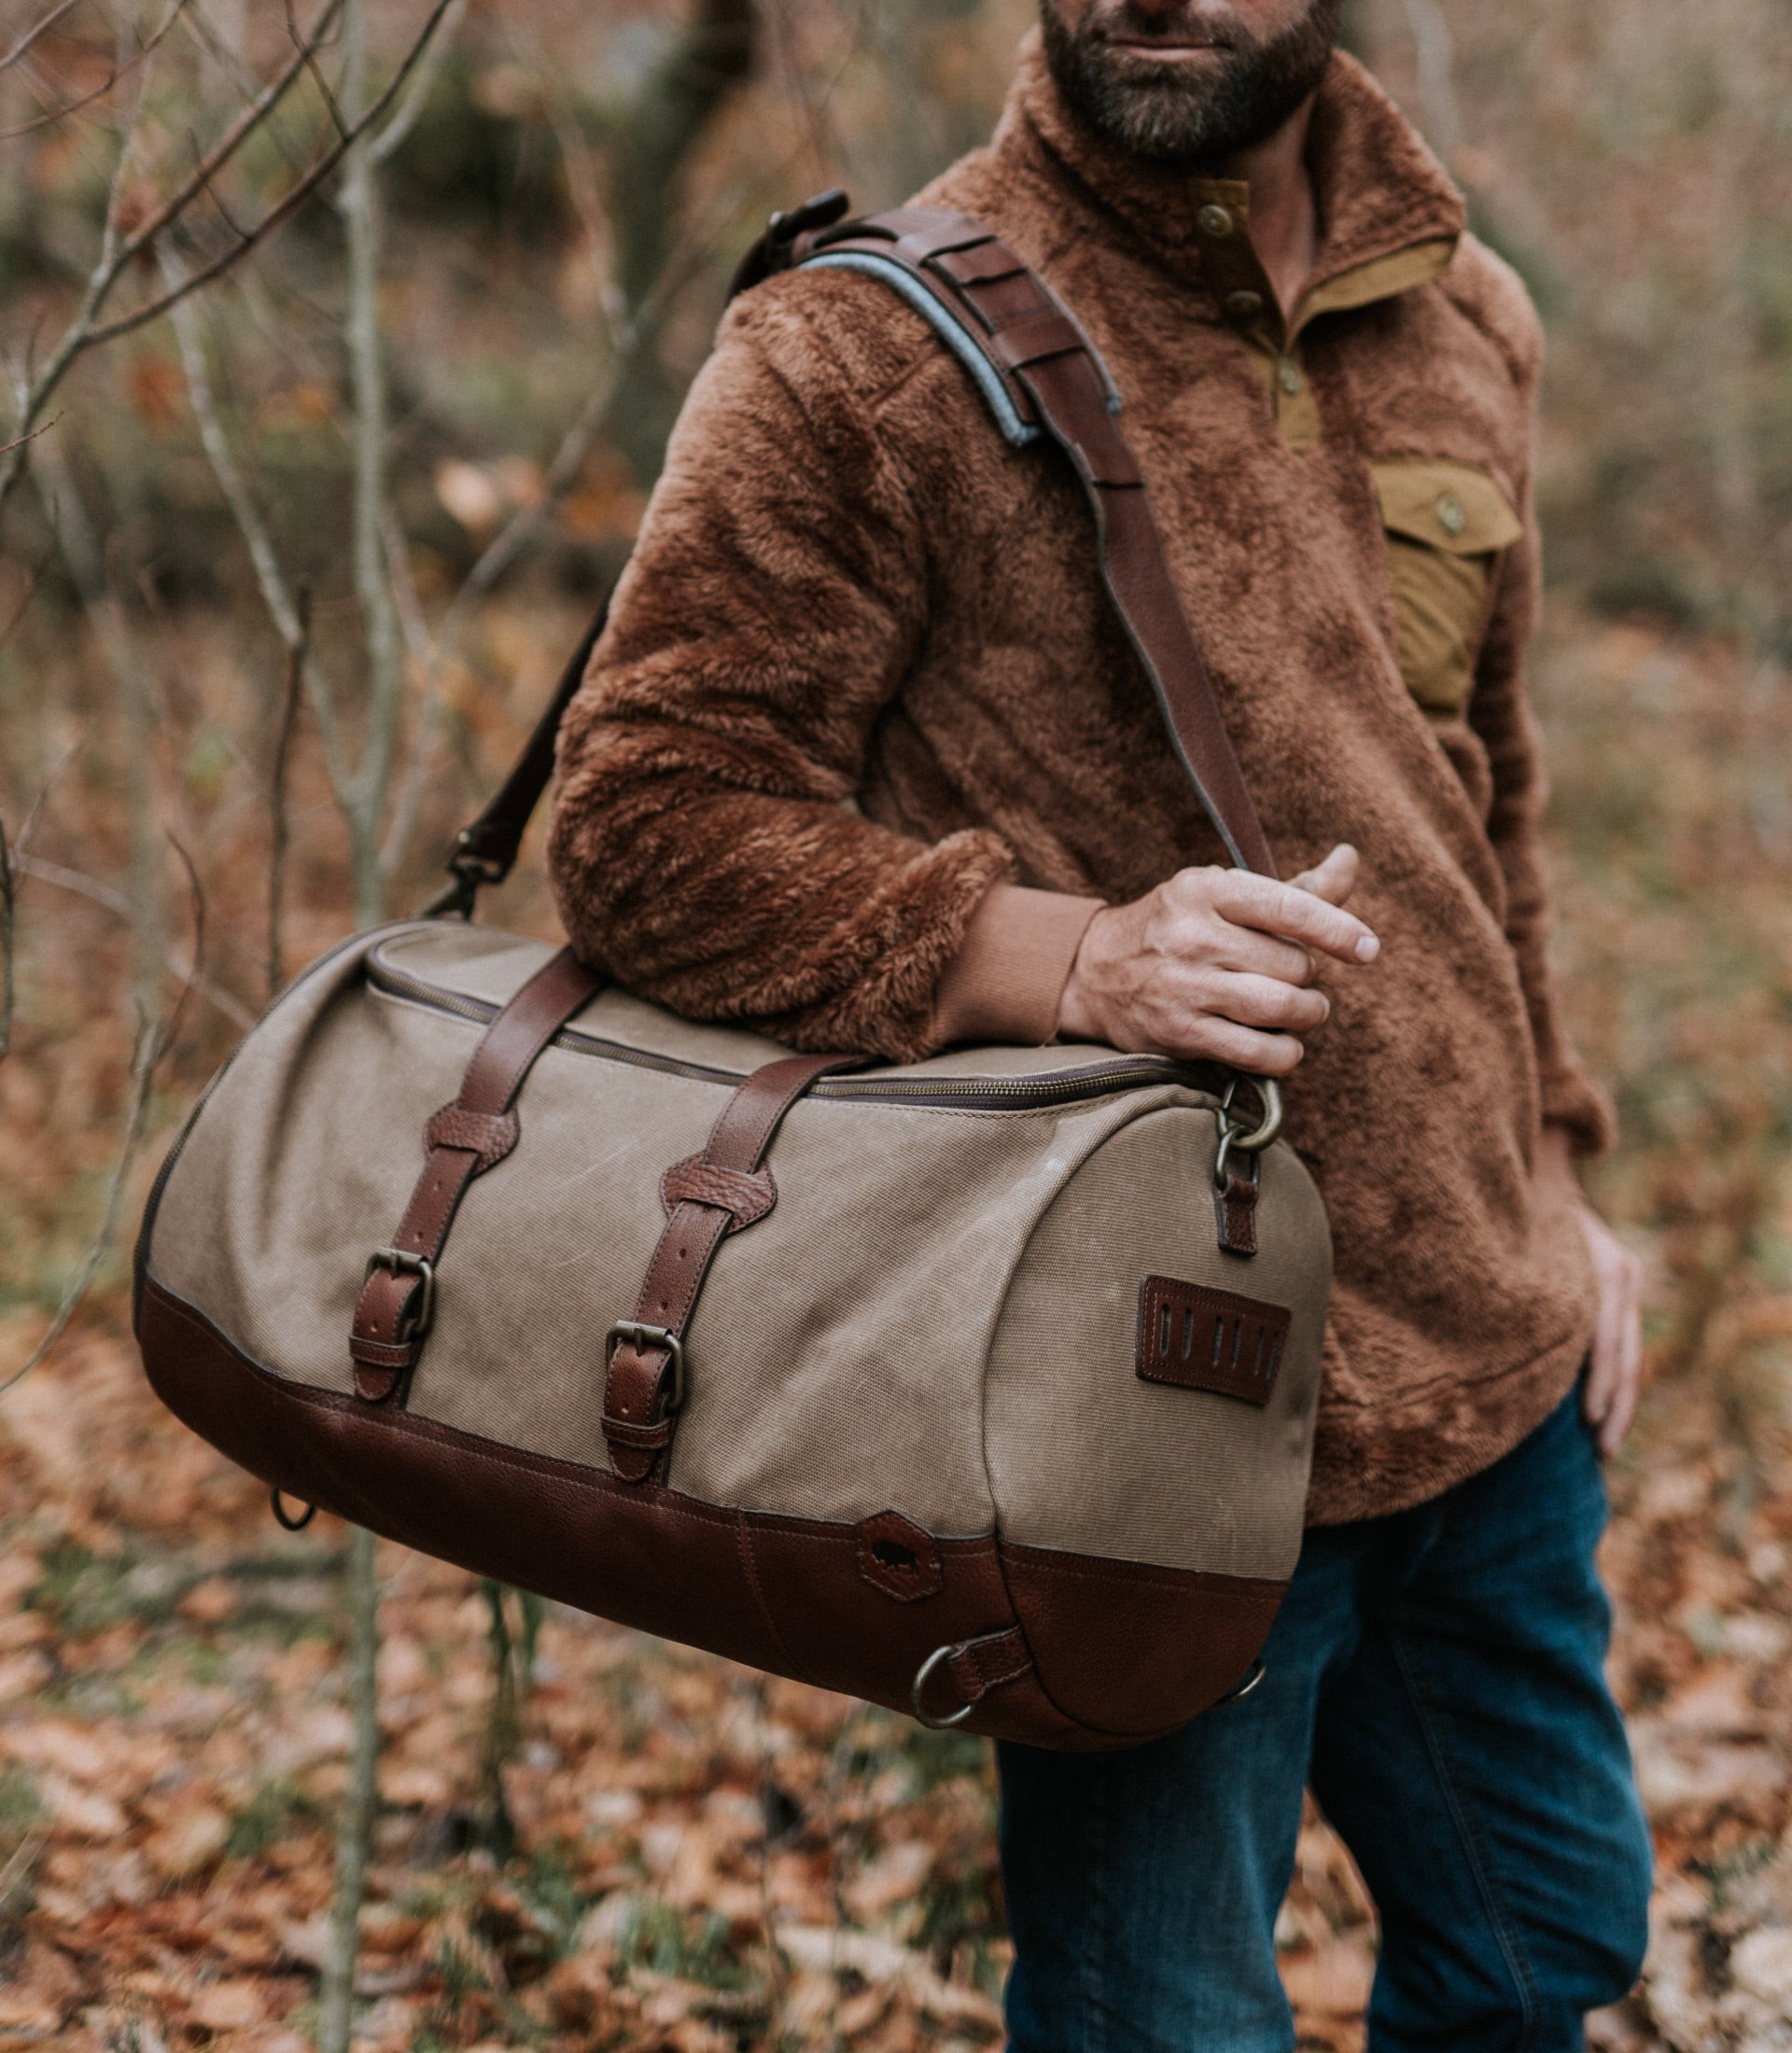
<point>1004,984</point>
<point>1573,1101</point>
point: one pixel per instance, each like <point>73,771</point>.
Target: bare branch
<point>146,1052</point>
<point>416,95</point>
<point>9,905</point>
<point>279,826</point>
<point>42,26</point>
<point>180,964</point>
<point>283,606</point>
<point>285,208</point>
<point>84,331</point>
<point>53,115</point>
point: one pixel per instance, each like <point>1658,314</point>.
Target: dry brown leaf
<point>1333,1981</point>
<point>191,1840</point>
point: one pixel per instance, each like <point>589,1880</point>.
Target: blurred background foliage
<point>549,225</point>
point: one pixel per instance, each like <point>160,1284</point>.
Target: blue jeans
<point>1436,1677</point>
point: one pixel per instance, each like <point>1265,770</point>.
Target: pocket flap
<point>1451,506</point>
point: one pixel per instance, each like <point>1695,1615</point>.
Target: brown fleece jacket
<point>862,682</point>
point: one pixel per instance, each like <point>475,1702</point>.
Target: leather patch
<point>898,1557</point>
<point>1201,1339</point>
<point>747,1194</point>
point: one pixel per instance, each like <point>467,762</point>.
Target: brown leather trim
<point>1132,1650</point>
<point>1141,1650</point>
<point>1203,1339</point>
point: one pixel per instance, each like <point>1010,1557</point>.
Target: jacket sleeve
<point>704,847</point>
<point>1500,713</point>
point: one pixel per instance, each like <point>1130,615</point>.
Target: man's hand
<point>1615,1368</point>
<point>1216,965</point>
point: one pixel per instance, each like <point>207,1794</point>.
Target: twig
<point>86,332</point>
<point>9,905</point>
<point>42,26</point>
<point>146,1054</point>
<point>281,211</point>
<point>423,81</point>
<point>279,825</point>
<point>180,964</point>
<point>277,595</point>
<point>42,427</point>
<point>51,115</point>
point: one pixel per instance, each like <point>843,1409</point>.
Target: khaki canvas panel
<point>1444,521</point>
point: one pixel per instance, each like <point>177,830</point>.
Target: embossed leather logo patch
<point>1202,1339</point>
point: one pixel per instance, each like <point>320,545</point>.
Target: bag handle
<point>1053,379</point>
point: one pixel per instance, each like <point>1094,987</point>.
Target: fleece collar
<point>1389,215</point>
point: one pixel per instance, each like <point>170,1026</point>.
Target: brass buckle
<point>638,1334</point>
<point>1233,1134</point>
<point>403,1264</point>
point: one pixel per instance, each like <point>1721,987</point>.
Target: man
<point>864,759</point>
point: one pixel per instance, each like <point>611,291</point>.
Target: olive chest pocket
<point>1443,522</point>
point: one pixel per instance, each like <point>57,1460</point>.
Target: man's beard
<point>1145,107</point>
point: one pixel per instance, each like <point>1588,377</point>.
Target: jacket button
<point>1288,372</point>
<point>1214,220</point>
<point>1243,306</point>
<point>1450,517</point>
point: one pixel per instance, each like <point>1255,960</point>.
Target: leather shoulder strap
<point>1040,372</point>
<point>1040,376</point>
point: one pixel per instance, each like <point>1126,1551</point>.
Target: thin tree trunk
<point>367,384</point>
<point>355,1827</point>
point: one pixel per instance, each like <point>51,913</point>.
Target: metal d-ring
<point>1254,1679</point>
<point>278,1500</point>
<point>923,1675</point>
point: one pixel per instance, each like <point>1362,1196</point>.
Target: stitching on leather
<point>743,1545</point>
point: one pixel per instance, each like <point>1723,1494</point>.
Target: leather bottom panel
<point>1123,1653</point>
<point>1088,1622</point>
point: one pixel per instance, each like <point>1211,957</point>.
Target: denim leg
<point>1143,1886</point>
<point>1471,1757</point>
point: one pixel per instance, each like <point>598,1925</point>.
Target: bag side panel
<point>1085,1456</point>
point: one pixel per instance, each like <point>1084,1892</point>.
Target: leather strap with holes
<point>462,1140</point>
<point>708,1196</point>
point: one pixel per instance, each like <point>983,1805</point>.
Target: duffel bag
<point>981,1387</point>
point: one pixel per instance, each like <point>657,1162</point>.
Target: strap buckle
<point>640,1335</point>
<point>402,1263</point>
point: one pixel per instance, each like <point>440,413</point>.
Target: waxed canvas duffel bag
<point>981,1387</point>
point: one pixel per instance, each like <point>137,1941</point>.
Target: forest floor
<point>702,1858</point>
<point>671,1851</point>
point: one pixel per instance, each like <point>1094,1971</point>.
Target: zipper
<point>972,1093</point>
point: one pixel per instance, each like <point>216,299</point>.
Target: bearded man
<point>864,759</point>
